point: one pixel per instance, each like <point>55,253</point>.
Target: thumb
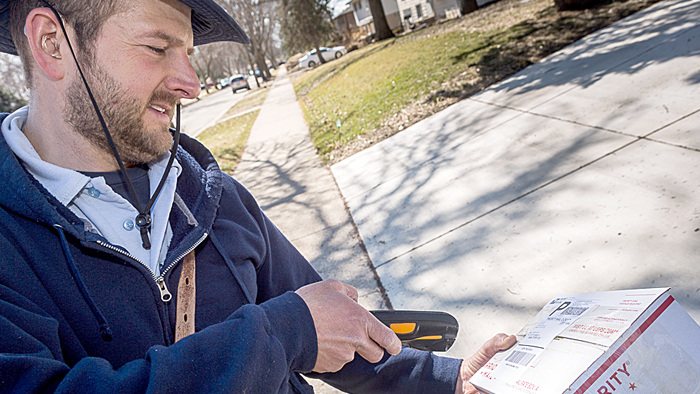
<point>489,349</point>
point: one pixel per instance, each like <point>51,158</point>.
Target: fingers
<point>382,338</point>
<point>506,342</point>
<point>343,327</point>
<point>343,288</point>
<point>370,352</point>
<point>498,343</point>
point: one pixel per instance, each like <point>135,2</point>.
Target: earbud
<point>56,54</point>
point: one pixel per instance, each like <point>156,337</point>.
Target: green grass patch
<point>254,99</point>
<point>361,93</point>
<point>226,140</point>
<point>386,86</point>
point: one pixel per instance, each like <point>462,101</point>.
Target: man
<point>130,262</point>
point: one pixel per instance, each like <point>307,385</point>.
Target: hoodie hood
<point>24,195</point>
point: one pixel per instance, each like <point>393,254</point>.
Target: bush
<point>9,102</point>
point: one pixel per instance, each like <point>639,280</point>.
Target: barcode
<point>574,311</point>
<point>521,358</point>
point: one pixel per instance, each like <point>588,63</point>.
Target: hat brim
<point>6,44</point>
<point>210,23</point>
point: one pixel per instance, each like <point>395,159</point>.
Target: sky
<point>338,6</point>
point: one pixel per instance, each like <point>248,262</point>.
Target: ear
<point>46,42</point>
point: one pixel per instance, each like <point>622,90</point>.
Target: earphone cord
<point>143,219</point>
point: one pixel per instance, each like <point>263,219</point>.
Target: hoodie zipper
<point>165,294</point>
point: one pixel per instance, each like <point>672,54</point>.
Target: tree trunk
<point>564,5</point>
<point>264,71</point>
<point>271,56</point>
<point>255,76</point>
<point>320,55</point>
<point>467,6</point>
<point>252,67</point>
<point>381,26</point>
<point>270,51</point>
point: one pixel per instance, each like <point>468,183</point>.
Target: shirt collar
<point>63,183</point>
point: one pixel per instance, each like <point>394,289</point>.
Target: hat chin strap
<point>143,219</point>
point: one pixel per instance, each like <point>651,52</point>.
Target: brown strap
<point>186,297</point>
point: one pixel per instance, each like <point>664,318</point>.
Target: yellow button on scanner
<point>429,338</point>
<point>403,328</point>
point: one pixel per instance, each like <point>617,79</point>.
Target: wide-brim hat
<point>210,23</point>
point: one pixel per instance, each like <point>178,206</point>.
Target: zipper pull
<point>164,293</point>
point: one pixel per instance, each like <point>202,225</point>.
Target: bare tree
<point>232,59</point>
<point>257,18</point>
<point>205,62</point>
<point>9,101</point>
<point>270,47</point>
<point>240,64</point>
<point>12,77</point>
<point>218,60</point>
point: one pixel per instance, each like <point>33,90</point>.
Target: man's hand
<point>469,366</point>
<point>343,327</point>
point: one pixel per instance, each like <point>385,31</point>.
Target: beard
<point>123,114</point>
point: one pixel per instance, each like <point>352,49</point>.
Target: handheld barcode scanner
<point>423,330</point>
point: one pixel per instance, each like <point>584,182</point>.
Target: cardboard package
<point>630,341</point>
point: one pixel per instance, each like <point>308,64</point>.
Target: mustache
<point>165,97</point>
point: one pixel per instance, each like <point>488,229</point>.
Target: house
<point>416,11</point>
<point>363,15</point>
<point>345,23</point>
<point>398,13</point>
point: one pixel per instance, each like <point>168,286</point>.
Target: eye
<point>156,50</point>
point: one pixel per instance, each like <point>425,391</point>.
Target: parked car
<point>238,82</point>
<point>224,82</point>
<point>311,57</point>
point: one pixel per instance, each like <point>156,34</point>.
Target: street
<point>200,115</point>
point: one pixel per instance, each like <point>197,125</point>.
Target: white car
<point>239,82</point>
<point>311,57</point>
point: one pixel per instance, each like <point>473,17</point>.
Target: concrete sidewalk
<point>579,174</point>
<point>280,167</point>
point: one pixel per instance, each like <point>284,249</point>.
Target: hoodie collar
<point>22,194</point>
<point>63,183</point>
<point>200,186</point>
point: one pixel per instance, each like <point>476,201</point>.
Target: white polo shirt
<point>92,200</point>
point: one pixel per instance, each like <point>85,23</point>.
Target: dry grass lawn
<point>381,89</point>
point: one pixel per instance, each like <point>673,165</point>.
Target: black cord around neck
<point>143,219</point>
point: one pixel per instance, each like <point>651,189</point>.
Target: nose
<point>185,81</point>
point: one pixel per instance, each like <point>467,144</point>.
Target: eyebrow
<point>172,41</point>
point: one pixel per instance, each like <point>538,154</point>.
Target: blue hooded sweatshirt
<point>80,315</point>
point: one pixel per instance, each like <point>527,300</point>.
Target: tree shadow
<point>455,222</point>
<point>623,48</point>
<point>549,32</point>
<point>299,195</point>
